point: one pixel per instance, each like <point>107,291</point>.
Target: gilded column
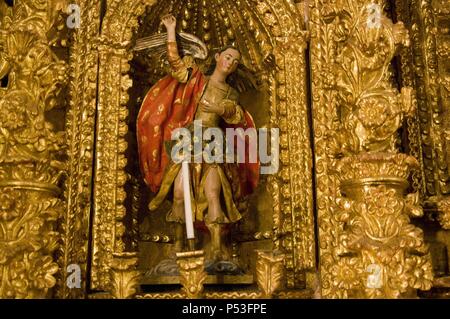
<point>371,250</point>
<point>110,260</point>
<point>32,148</point>
<point>80,128</point>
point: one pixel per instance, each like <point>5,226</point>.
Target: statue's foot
<point>222,267</point>
<point>220,262</point>
<point>218,255</point>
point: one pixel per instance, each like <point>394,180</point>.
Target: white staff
<point>187,200</point>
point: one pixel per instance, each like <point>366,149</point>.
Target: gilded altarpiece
<point>359,93</point>
<point>32,148</point>
<point>363,205</point>
<point>273,45</point>
<point>425,66</point>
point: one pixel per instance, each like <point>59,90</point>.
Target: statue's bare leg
<point>215,213</point>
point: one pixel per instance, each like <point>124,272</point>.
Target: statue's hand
<point>209,107</point>
<point>169,22</point>
<point>228,107</point>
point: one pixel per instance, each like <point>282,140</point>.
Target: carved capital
<point>269,271</point>
<point>379,253</point>
<point>124,276</point>
<point>192,274</point>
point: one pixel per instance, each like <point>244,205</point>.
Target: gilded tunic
<point>226,98</point>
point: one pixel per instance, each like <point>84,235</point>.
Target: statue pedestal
<point>171,271</point>
<point>210,280</point>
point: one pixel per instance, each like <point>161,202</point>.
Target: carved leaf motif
<point>192,275</point>
<point>125,284</point>
<point>388,239</point>
<point>269,270</point>
<point>124,278</point>
<point>369,108</point>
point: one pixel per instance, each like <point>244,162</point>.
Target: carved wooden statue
<point>181,99</point>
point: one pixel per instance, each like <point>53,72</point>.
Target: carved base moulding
<point>380,254</point>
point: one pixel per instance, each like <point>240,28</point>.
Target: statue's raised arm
<point>174,46</point>
<point>187,43</point>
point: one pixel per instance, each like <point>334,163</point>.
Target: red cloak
<point>169,105</point>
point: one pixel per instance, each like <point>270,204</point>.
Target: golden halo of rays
<point>217,23</point>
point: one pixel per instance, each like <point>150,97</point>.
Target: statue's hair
<point>242,79</point>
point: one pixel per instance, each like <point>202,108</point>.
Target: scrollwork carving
<point>368,212</point>
<point>31,149</point>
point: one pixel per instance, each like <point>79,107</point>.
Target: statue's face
<point>228,61</point>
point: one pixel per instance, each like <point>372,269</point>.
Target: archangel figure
<point>185,97</point>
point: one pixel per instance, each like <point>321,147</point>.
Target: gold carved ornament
<point>31,148</point>
<point>366,240</point>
